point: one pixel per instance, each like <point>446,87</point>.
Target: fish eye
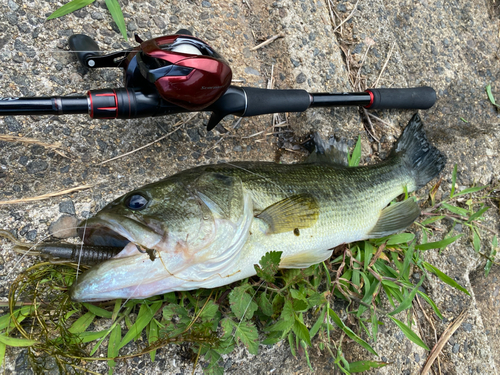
<point>136,202</point>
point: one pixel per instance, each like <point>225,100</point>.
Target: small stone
<point>417,357</point>
<point>301,78</point>
<point>64,227</point>
<point>456,348</point>
<point>31,235</point>
<point>131,26</point>
<point>467,327</point>
<point>12,124</point>
<point>37,166</point>
<point>250,70</point>
<point>206,4</point>
<point>67,207</point>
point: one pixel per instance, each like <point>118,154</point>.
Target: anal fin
<point>395,218</point>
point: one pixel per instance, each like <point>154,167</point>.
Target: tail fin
<point>424,160</point>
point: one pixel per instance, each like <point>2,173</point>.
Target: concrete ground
<point>447,44</point>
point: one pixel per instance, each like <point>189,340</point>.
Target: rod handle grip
<point>262,101</point>
<point>411,98</point>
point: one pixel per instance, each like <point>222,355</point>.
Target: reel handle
<point>85,48</point>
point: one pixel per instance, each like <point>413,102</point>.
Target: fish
<point>208,226</point>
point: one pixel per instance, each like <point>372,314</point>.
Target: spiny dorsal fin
<point>328,152</point>
<point>295,212</point>
<point>395,218</point>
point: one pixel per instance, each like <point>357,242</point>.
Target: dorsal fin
<point>292,213</point>
<point>328,152</point>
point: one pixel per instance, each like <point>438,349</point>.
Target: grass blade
<point>12,341</point>
<point>349,332</point>
<point>444,277</point>
<point>82,323</point>
<point>2,352</point>
<point>70,7</point>
<point>140,323</point>
<point>406,303</point>
<point>438,244</point>
<point>98,311</point>
<point>430,302</point>
<point>470,190</point>
<point>360,366</point>
<point>490,96</point>
<point>116,13</point>
<point>412,336</point>
<point>354,159</point>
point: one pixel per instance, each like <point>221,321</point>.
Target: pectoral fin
<point>395,218</point>
<point>295,212</point>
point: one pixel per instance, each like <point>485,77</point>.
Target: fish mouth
<point>116,231</point>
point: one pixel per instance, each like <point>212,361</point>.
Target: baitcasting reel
<point>180,73</point>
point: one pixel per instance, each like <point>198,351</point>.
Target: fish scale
<point>208,226</point>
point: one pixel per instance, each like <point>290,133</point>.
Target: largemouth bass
<point>207,226</point>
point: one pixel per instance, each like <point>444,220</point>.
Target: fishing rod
<point>180,73</point>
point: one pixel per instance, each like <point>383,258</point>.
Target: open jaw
<point>128,272</point>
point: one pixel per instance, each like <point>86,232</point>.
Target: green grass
<point>113,7</point>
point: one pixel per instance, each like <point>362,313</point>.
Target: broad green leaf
<point>431,302</point>
<point>490,95</point>
<point>361,366</point>
<point>400,238</point>
<point>209,311</point>
<point>116,13</point>
<point>444,278</point>
<point>82,323</point>
<point>12,341</point>
<point>349,332</point>
<point>265,305</point>
<point>473,189</point>
<point>246,332</point>
<point>287,318</point>
<point>70,7</point>
<point>241,303</point>
<point>406,303</point>
<point>269,266</point>
<point>438,244</point>
<point>300,305</point>
<point>98,311</point>
<point>140,323</point>
<point>412,336</point>
<point>301,331</point>
<point>354,159</point>
<point>453,181</point>
<point>432,219</point>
